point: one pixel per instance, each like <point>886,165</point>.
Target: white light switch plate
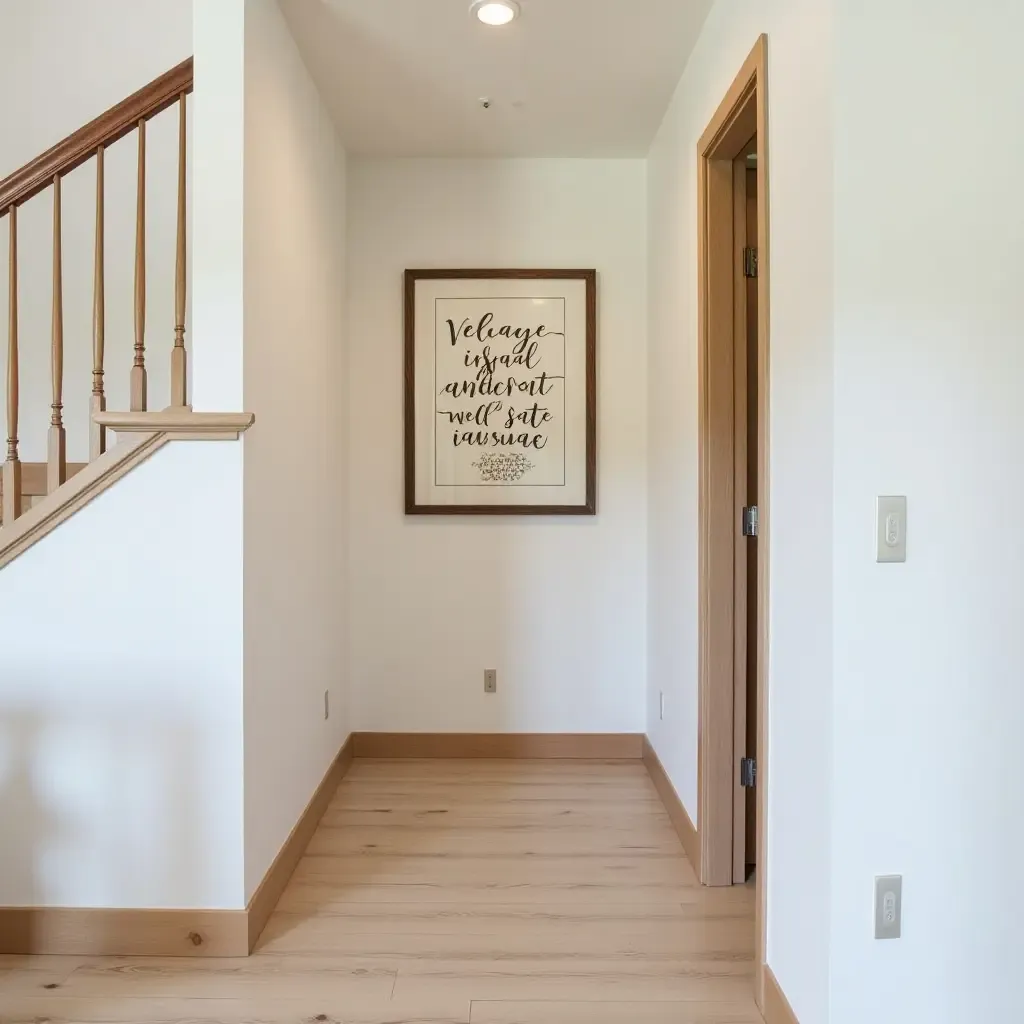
<point>888,906</point>
<point>892,528</point>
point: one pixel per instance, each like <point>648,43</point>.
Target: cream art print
<point>500,392</point>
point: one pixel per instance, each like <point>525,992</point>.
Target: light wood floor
<point>439,892</point>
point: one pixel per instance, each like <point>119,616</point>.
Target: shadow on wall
<point>26,824</point>
<point>99,808</point>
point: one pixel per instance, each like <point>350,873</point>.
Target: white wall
<point>73,60</point>
<point>68,61</point>
<point>218,142</point>
<point>800,659</point>
<point>296,506</point>
<point>122,749</point>
<point>121,744</point>
<point>556,605</point>
<point>928,368</point>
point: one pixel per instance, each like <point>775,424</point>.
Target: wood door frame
<point>741,115</point>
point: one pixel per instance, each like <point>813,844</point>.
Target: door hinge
<point>750,262</point>
<point>748,772</point>
<point>750,521</point>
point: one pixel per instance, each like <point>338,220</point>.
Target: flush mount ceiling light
<point>495,12</point>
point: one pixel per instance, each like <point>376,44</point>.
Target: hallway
<point>444,892</point>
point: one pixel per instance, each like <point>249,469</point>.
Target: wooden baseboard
<point>776,1006</point>
<point>268,892</point>
<point>85,931</point>
<point>676,811</point>
<point>583,746</point>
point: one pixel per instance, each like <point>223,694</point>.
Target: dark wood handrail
<point>106,129</point>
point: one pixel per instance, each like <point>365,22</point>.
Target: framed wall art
<point>500,392</point>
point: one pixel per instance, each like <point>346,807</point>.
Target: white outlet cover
<point>891,528</point>
<point>888,906</point>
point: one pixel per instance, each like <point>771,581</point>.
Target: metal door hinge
<point>750,521</point>
<point>748,772</point>
<point>750,262</point>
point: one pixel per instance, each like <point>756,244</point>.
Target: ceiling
<point>568,78</point>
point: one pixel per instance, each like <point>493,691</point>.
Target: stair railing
<point>45,172</point>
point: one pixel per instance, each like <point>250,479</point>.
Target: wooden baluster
<point>178,357</point>
<point>56,456</point>
<point>12,465</point>
<point>137,390</point>
<point>98,434</point>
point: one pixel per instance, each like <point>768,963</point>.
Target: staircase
<point>35,497</point>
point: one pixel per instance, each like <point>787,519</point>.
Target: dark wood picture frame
<point>589,507</point>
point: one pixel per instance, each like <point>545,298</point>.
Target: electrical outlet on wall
<point>888,906</point>
<point>490,680</point>
<point>327,704</point>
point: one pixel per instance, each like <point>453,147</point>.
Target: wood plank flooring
<point>440,892</point>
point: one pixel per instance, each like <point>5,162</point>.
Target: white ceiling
<point>570,78</point>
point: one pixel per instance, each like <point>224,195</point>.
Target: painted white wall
<point>121,745</point>
<point>68,62</point>
<point>556,605</point>
<point>218,142</point>
<point>296,503</point>
<point>73,60</point>
<point>122,750</point>
<point>800,659</point>
<point>929,360</point>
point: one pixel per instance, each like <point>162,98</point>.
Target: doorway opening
<point>732,161</point>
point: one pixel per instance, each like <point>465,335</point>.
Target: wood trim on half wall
<point>776,1006</point>
<point>85,931</point>
<point>269,891</point>
<point>583,746</point>
<point>145,433</point>
<point>681,821</point>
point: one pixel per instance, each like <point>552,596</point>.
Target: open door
<point>745,442</point>
<point>732,261</point>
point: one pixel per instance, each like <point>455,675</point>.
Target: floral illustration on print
<point>503,467</point>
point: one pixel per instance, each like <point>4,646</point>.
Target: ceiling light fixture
<point>495,12</point>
